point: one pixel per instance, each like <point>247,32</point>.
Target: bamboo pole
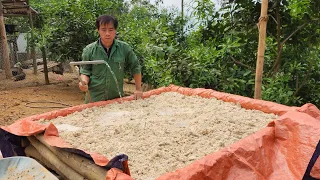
<point>54,160</point>
<point>261,48</point>
<point>80,164</point>
<point>4,45</point>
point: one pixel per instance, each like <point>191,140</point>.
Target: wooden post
<point>4,45</point>
<point>33,51</point>
<point>11,58</point>
<point>261,48</point>
<point>15,48</point>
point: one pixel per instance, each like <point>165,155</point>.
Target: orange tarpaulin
<point>280,151</point>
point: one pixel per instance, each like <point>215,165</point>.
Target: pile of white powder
<point>160,133</point>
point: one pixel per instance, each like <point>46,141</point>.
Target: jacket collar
<point>115,43</point>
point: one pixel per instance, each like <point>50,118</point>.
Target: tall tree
<point>4,45</point>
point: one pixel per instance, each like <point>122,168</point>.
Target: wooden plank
<point>15,6</point>
<point>14,2</point>
<point>15,15</point>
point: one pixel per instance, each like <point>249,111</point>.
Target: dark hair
<point>106,19</point>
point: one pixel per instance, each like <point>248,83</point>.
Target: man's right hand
<point>83,84</point>
<point>83,87</point>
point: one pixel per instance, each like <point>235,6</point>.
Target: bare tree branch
<point>302,83</point>
<point>273,18</point>
<point>300,27</point>
<point>240,63</point>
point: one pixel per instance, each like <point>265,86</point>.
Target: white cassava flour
<point>160,133</point>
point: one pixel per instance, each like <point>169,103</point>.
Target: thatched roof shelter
<point>14,8</point>
<point>17,8</point>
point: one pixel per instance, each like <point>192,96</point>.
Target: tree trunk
<point>182,17</point>
<point>279,51</point>
<point>33,51</point>
<point>45,66</point>
<point>4,45</point>
<point>261,48</point>
<point>276,65</point>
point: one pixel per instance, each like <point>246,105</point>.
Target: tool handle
<point>87,62</point>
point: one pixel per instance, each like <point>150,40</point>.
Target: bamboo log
<point>55,161</point>
<point>82,165</point>
<point>32,152</point>
<point>261,48</point>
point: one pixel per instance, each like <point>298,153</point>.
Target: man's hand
<point>138,95</point>
<point>83,84</point>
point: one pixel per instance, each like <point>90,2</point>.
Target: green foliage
<point>278,90</point>
<point>216,50</point>
<point>299,7</point>
<point>70,24</point>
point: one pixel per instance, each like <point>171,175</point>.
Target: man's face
<point>107,33</point>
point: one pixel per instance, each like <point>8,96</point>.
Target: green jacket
<point>102,85</point>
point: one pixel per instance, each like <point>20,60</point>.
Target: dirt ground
<point>19,99</point>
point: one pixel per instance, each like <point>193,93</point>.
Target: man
<point>97,79</point>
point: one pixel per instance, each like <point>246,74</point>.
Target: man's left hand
<point>138,95</point>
